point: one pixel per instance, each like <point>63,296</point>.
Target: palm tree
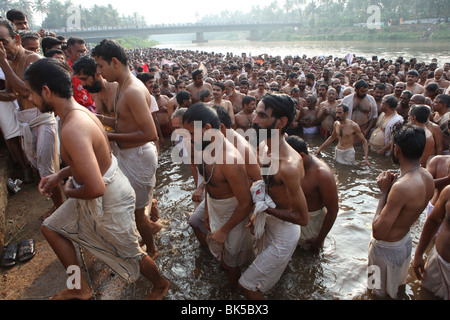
<point>5,5</point>
<point>40,6</point>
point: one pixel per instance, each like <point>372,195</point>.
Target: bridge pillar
<point>199,38</point>
<point>254,35</point>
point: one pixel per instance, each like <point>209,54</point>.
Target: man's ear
<point>46,92</point>
<point>283,122</point>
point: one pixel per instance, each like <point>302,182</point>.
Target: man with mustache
<point>399,207</point>
<point>345,130</point>
<point>362,108</point>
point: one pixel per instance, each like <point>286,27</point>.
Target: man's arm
<point>359,134</point>
<point>329,140</point>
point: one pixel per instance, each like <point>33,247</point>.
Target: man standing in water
<point>281,223</point>
<point>197,86</point>
<point>398,209</point>
<point>134,131</point>
<point>99,212</point>
<point>227,191</point>
<point>345,130</point>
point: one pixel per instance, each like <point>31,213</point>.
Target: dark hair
<point>12,29</point>
<point>445,99</point>
<point>51,73</point>
<point>15,14</point>
<point>298,144</point>
<point>204,93</point>
<point>49,42</point>
<point>380,86</point>
<point>26,34</point>
<point>409,93</point>
<point>109,49</point>
<point>201,112</point>
<point>411,140</point>
<point>50,53</point>
<point>145,76</point>
<point>433,87</point>
<point>391,101</point>
<point>361,84</point>
<point>224,116</point>
<point>196,72</point>
<point>244,82</point>
<point>85,64</point>
<point>282,105</point>
<point>178,82</point>
<point>344,107</point>
<point>182,96</point>
<point>421,112</point>
<point>413,72</point>
<point>247,100</point>
<point>74,40</point>
<point>220,85</point>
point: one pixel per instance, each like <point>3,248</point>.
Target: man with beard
<point>403,106</point>
<point>398,209</point>
<point>99,212</point>
<point>244,118</point>
<point>38,128</point>
<point>233,96</point>
<point>308,116</point>
<point>411,82</point>
<point>260,89</point>
<point>197,85</point>
<point>292,83</point>
<point>362,108</point>
<point>217,91</point>
<point>346,131</point>
<point>228,200</point>
<point>277,224</point>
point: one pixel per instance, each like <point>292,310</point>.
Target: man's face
<point>21,24</point>
<point>11,45</point>
<point>165,79</point>
<point>302,84</point>
<point>261,84</point>
<point>378,94</point>
<point>438,74</point>
<point>198,80</point>
<point>322,91</point>
<point>404,100</point>
<point>243,89</point>
<point>336,84</point>
<point>89,83</point>
<point>362,92</point>
<point>399,88</point>
<point>263,120</point>
<point>105,70</point>
<point>59,56</point>
<point>251,106</point>
<point>331,94</point>
<point>311,102</point>
<point>340,114</point>
<point>180,87</point>
<point>437,104</point>
<point>383,77</point>
<point>31,45</point>
<point>156,92</point>
<point>217,92</point>
<point>228,90</point>
<point>76,51</point>
<point>38,100</point>
<point>411,79</point>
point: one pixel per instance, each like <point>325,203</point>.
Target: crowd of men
<point>91,119</point>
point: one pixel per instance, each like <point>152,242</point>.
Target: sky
<point>175,11</point>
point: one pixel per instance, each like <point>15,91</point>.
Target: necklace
<point>411,169</point>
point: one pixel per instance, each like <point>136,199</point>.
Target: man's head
<point>417,99</point>
<point>49,43</point>
<point>206,116</point>
<point>85,69</point>
<point>197,77</point>
<point>408,143</point>
<point>111,59</point>
<point>311,101</point>
<point>177,118</point>
<point>420,113</point>
<point>332,94</point>
<point>75,48</point>
<point>183,99</point>
<point>274,111</point>
<point>249,103</point>
<point>18,18</point>
<point>379,91</point>
<point>147,79</point>
<point>441,103</point>
<point>244,86</point>
<point>10,38</point>
<point>388,103</point>
<point>341,112</point>
<point>55,54</point>
<point>224,117</point>
<point>48,79</point>
<point>229,87</point>
<point>156,91</point>
<point>399,88</point>
<point>405,97</point>
<point>299,145</point>
<point>361,89</point>
<point>205,95</point>
<point>218,88</point>
<point>411,77</point>
<point>30,40</point>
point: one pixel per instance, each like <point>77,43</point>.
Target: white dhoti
<point>429,209</point>
<point>437,275</point>
<point>8,120</point>
<point>345,156</point>
<point>139,166</point>
<point>314,225</point>
<point>105,226</point>
<point>392,260</point>
<point>39,140</point>
<point>237,249</point>
<point>275,249</point>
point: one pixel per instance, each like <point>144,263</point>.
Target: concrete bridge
<point>99,33</point>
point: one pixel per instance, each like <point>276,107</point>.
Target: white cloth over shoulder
<point>262,202</point>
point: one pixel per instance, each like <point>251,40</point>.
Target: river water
<point>337,272</point>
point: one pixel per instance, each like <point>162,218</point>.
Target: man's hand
<point>385,181</point>
<point>48,183</point>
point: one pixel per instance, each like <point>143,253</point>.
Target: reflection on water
<point>421,49</point>
<point>339,271</point>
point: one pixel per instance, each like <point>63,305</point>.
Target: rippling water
<point>339,271</point>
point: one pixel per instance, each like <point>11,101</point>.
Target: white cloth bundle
<point>262,202</point>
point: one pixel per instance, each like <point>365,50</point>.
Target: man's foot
<point>73,294</point>
<point>160,290</point>
<point>155,227</point>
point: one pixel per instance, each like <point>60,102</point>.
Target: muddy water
<point>339,271</point>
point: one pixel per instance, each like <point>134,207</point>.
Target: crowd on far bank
<point>57,93</point>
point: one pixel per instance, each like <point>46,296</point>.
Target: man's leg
<point>15,148</point>
<point>144,227</point>
<point>65,251</point>
<point>160,284</point>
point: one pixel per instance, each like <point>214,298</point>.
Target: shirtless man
<point>244,118</point>
<point>441,108</point>
<point>260,90</point>
<point>197,85</point>
<point>398,89</point>
<point>419,116</point>
<point>346,131</point>
<point>411,82</point>
<point>289,208</point>
<point>326,113</point>
<point>362,108</point>
<point>308,119</point>
<point>217,91</point>
<point>398,209</point>
<point>227,192</point>
<point>292,83</point>
<point>166,88</point>
<point>403,105</point>
<point>433,275</point>
<point>173,104</point>
<point>42,127</point>
<point>304,93</point>
<point>380,138</point>
<point>135,131</point>
<point>244,87</point>
<point>233,96</point>
<point>319,186</point>
<point>105,228</point>
<point>162,114</point>
<point>321,93</point>
<point>439,79</point>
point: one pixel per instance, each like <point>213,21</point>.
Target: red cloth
<point>81,95</point>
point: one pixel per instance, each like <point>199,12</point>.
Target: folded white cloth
<point>262,202</point>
